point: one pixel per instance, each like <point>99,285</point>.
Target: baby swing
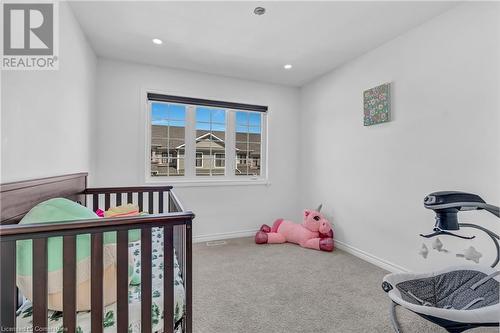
<point>457,298</point>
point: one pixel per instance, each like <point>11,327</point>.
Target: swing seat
<point>457,298</point>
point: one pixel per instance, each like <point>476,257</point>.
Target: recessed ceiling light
<point>288,66</point>
<point>259,11</point>
<point>157,41</point>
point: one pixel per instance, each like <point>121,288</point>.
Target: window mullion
<point>190,141</point>
<point>230,144</point>
<point>263,147</point>
<point>168,150</point>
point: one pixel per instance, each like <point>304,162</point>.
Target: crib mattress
<point>24,318</point>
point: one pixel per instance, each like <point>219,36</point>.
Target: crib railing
<point>176,224</point>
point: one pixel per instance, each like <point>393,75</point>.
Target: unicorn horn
<point>319,208</point>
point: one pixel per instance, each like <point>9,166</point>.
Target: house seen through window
<point>210,139</point>
<point>248,143</point>
<point>168,125</point>
<point>223,142</point>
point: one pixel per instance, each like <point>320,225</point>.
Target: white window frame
<point>190,179</point>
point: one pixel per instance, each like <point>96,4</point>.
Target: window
<point>168,159</point>
<point>201,139</point>
<point>248,143</point>
<point>168,125</point>
<point>210,135</point>
<point>241,159</point>
<point>164,158</point>
<point>220,160</point>
<point>199,160</point>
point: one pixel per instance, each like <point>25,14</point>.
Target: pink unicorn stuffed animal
<point>314,233</point>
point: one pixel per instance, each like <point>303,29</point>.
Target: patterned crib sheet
<point>24,314</point>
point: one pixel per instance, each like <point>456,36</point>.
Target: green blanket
<point>60,210</point>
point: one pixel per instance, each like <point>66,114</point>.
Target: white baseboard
<point>224,235</point>
<point>384,264</point>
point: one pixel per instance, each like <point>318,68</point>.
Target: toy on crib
<point>315,232</point>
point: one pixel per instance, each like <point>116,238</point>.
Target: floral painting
<point>377,104</point>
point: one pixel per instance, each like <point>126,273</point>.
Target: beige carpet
<point>243,287</point>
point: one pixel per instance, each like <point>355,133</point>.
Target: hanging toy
<point>438,245</point>
<point>471,254</point>
<point>424,251</point>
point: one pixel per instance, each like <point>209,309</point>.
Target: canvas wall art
<point>377,104</point>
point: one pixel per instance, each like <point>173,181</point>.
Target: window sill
<point>208,182</point>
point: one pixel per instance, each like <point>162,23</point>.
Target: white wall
<point>46,115</point>
<point>444,136</point>
<point>120,149</point>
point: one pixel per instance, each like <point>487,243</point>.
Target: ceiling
<point>226,38</point>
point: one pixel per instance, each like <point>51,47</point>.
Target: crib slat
<point>160,202</point>
<point>141,201</point>
<point>95,202</point>
<point>69,283</point>
<point>8,286</point>
<point>168,278</point>
<point>150,202</point>
<point>146,280</point>
<point>176,239</point>
<point>183,247</point>
<point>96,283</point>
<point>129,197</point>
<point>171,207</point>
<point>107,201</point>
<point>178,229</point>
<point>118,199</point>
<point>188,277</point>
<point>122,280</point>
<point>40,283</point>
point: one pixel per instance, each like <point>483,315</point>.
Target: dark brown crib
<point>164,210</point>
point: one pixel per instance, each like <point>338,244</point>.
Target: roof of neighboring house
<point>160,133</point>
<point>244,141</point>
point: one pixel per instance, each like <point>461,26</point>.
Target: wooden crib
<point>164,210</point>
